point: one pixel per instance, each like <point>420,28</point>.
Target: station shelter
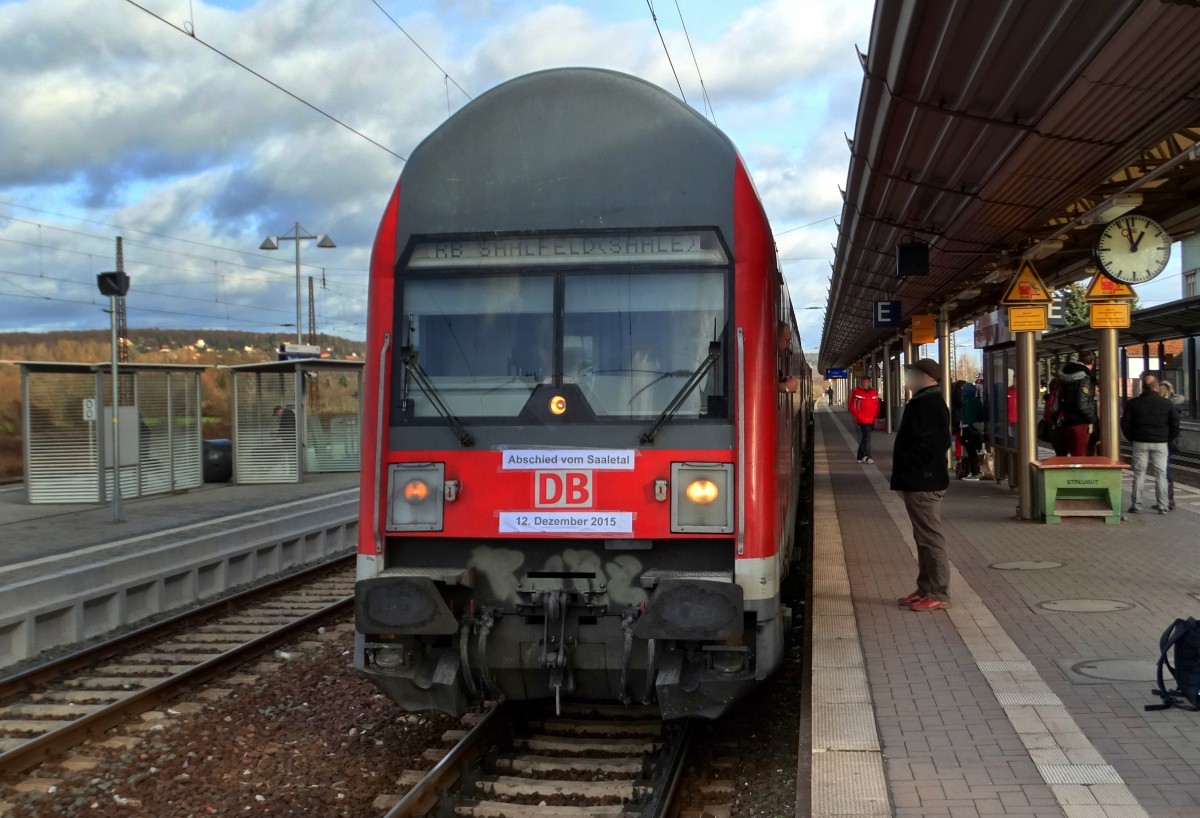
<point>295,417</point>
<point>69,439</point>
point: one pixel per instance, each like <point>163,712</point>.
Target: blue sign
<point>886,314</point>
<point>836,374</point>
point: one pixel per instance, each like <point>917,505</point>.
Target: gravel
<point>310,737</point>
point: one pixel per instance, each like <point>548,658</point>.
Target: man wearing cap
<point>919,474</point>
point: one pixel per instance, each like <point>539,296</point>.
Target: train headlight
<point>702,492</point>
<point>701,500</point>
<point>415,496</point>
<point>416,491</point>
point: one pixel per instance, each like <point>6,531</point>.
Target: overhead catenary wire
<point>802,226</point>
<point>703,89</point>
<point>139,307</point>
<point>421,48</point>
<point>667,51</point>
<point>271,82</point>
<point>124,228</point>
<point>152,248</point>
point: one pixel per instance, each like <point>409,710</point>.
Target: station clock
<point>1133,249</point>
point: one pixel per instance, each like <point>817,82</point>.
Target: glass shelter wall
<point>70,441</point>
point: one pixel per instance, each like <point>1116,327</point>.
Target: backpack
<point>1078,399</point>
<point>1184,637</point>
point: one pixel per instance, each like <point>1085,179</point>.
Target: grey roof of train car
<point>565,150</point>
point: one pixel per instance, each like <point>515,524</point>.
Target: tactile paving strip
<point>847,764</point>
<point>848,784</point>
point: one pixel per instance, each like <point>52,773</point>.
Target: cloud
<point>113,116</point>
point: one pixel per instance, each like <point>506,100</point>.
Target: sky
<point>117,123</point>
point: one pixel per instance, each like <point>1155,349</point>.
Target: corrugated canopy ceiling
<point>984,128</point>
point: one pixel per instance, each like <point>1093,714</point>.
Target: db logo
<point>555,489</point>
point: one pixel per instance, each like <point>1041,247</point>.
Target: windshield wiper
<point>689,386</point>
<point>408,356</point>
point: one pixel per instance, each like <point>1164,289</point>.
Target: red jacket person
<point>864,407</point>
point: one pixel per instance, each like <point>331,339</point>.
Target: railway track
<point>48,709</point>
<point>594,761</point>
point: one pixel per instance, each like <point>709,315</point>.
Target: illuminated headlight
<point>415,495</point>
<point>701,499</point>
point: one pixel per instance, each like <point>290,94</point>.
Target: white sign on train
<point>566,522</point>
<point>594,459</point>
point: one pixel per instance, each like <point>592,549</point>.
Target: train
<point>582,469</point>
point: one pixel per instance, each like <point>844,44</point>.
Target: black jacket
<point>919,455</point>
<point>1150,418</point>
<point>1072,377</point>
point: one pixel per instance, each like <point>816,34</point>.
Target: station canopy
<point>1176,319</point>
<point>990,131</point>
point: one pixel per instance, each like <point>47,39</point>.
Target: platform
<point>68,573</point>
<point>32,531</point>
<point>1027,697</point>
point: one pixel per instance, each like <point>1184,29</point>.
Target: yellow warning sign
<point>1026,288</point>
<point>1103,288</point>
<point>1027,319</point>
<point>1109,316</point>
<point>924,328</point>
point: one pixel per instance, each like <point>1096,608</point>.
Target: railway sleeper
<point>582,727</point>
<point>84,696</point>
<point>510,787</point>
<point>503,809</point>
<point>538,765</point>
<point>585,746</point>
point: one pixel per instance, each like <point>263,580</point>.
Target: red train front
<point>579,471</point>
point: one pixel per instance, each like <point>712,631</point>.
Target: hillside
<point>213,347</point>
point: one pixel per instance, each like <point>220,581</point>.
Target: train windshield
<point>631,340</point>
<point>628,339</point>
<point>485,342</point>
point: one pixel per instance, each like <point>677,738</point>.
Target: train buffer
<point>1078,487</point>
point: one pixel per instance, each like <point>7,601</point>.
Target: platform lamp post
<point>115,285</point>
<point>298,235</point>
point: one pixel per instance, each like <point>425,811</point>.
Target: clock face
<point>1133,249</point>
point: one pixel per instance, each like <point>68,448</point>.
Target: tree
<point>1075,307</point>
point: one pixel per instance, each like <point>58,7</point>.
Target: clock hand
<point>1134,246</point>
<point>1127,232</point>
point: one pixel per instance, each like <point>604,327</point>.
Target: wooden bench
<point>1078,487</point>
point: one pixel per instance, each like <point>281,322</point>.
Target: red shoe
<point>905,601</point>
<point>927,603</point>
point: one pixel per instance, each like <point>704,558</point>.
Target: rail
<point>38,749</point>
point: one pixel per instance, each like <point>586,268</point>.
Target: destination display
<point>691,247</point>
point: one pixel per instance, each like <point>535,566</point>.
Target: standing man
<point>1150,422</point>
<point>829,394</point>
<point>1077,396</point>
<point>919,474</point>
<point>864,407</point>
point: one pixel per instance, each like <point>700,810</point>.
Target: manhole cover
<point>1084,605</point>
<point>1118,670</point>
<point>1025,565</point>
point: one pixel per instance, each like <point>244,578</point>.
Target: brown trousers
<point>933,564</point>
